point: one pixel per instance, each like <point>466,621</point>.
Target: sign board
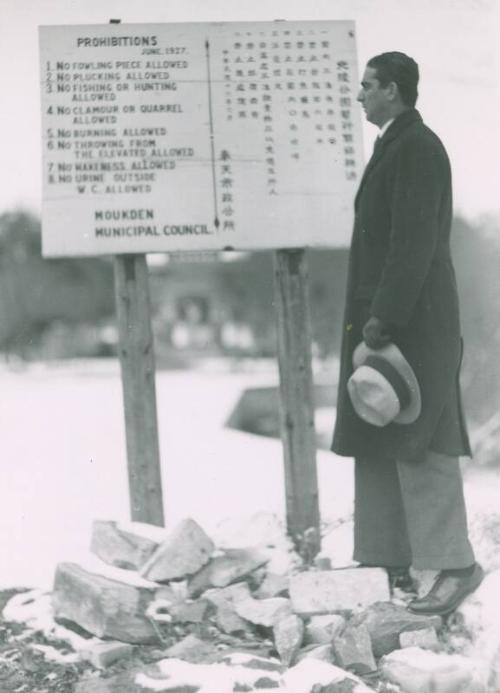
<point>180,137</point>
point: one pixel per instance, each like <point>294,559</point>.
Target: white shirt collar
<point>385,127</point>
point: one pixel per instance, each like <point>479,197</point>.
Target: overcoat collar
<point>400,124</point>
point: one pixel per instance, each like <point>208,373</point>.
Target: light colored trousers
<point>411,513</point>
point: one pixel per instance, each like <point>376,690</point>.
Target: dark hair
<point>401,69</point>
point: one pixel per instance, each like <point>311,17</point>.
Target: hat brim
<point>390,352</point>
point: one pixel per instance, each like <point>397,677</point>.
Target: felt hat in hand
<point>383,388</point>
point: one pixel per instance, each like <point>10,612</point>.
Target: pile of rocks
<point>325,630</point>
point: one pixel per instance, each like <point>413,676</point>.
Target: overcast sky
<point>452,40</point>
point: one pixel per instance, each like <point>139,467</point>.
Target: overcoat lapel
<point>394,130</point>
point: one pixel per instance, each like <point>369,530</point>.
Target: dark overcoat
<point>400,270</point>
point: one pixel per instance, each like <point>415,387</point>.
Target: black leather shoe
<point>447,593</point>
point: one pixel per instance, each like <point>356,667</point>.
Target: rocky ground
<point>328,647</point>
<point>174,612</point>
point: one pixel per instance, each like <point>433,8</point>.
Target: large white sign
<point>160,137</point>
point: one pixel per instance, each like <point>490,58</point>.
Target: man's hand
<point>376,333</point>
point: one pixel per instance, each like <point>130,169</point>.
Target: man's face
<point>374,98</point>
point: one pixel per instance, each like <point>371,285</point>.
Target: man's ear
<point>392,91</point>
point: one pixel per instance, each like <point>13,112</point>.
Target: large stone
<point>421,671</point>
<point>186,549</point>
<point>125,545</point>
<point>322,629</point>
<point>263,612</point>
<point>224,601</point>
<point>221,571</point>
<point>386,621</point>
<point>288,635</point>
<point>322,592</point>
<point>314,675</point>
<point>353,650</point>
<point>103,606</point>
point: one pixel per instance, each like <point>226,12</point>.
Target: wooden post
<point>297,403</point>
<point>139,392</point>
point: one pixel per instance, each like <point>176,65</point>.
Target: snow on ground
<point>63,460</point>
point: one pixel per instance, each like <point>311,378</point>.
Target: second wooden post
<point>297,398</point>
<point>139,391</point>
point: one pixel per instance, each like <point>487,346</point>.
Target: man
<point>409,504</point>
